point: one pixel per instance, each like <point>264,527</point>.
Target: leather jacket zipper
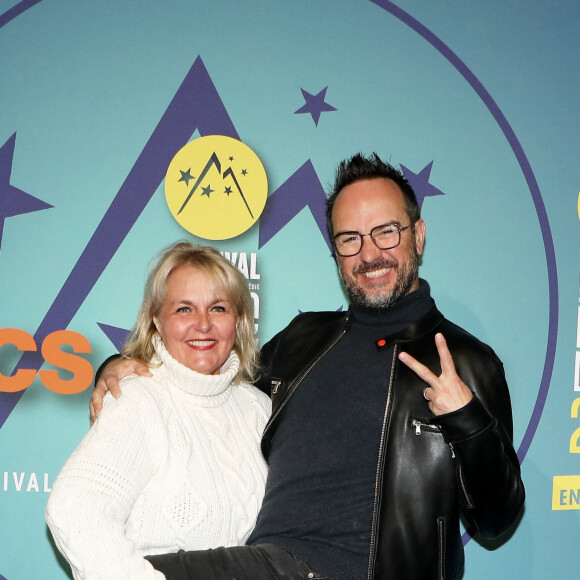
<point>421,426</point>
<point>463,486</point>
<point>442,542</point>
<point>380,469</point>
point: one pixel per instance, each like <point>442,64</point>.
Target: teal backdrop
<point>476,101</point>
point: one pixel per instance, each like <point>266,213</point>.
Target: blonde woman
<point>174,463</point>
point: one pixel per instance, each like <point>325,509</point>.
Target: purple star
<point>420,183</point>
<point>13,201</point>
<point>315,105</point>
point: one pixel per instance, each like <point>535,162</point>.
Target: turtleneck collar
<point>194,382</point>
<point>405,311</point>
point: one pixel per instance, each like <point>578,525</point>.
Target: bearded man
<point>389,422</point>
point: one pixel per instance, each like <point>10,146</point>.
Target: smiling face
<point>197,323</point>
<point>377,278</point>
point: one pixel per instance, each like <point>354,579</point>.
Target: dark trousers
<point>259,562</point>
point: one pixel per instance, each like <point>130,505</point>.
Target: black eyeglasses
<point>385,237</point>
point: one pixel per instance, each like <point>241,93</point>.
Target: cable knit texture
<point>174,463</point>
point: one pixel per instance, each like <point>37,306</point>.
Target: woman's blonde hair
<point>222,275</point>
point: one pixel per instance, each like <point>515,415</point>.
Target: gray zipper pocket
<point>420,425</point>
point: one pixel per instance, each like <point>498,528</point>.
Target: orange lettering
<point>22,378</point>
<point>80,367</point>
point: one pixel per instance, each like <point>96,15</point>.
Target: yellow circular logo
<point>216,187</point>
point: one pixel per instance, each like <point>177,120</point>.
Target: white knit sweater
<point>174,463</point>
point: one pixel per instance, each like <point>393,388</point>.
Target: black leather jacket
<point>430,469</point>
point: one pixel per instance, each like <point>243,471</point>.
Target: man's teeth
<point>376,273</point>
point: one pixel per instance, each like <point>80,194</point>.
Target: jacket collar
<point>411,317</point>
<point>415,330</point>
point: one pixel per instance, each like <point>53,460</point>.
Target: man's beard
<point>407,274</point>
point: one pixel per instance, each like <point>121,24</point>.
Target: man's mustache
<point>380,263</point>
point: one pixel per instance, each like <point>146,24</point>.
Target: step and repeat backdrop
<point>126,126</point>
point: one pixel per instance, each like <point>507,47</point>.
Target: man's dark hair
<point>359,167</point>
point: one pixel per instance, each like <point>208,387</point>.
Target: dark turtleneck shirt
<point>323,460</point>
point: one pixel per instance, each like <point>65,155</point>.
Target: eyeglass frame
<point>361,236</point>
